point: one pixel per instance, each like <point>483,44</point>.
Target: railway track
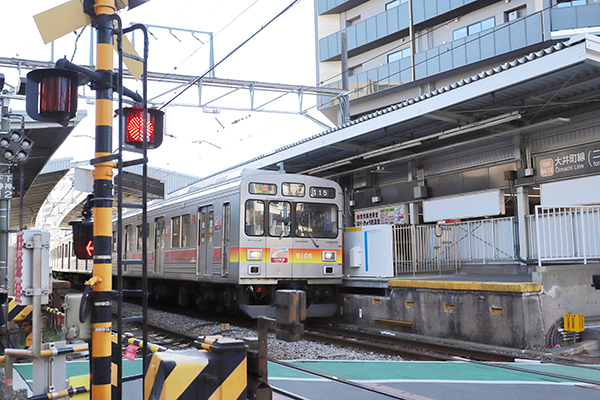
<point>407,348</point>
<point>419,350</point>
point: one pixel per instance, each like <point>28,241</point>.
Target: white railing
<point>487,241</point>
<point>445,247</point>
<point>426,248</point>
<point>567,233</point>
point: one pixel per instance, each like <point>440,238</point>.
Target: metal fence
<point>426,248</point>
<point>442,248</point>
<point>552,234</point>
<point>567,233</point>
<point>487,241</point>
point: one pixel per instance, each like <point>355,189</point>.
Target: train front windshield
<point>318,220</point>
<point>311,219</point>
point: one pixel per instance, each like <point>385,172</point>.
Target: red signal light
<point>83,238</point>
<point>134,127</point>
<point>55,96</point>
<point>51,95</point>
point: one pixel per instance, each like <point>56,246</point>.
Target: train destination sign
<point>263,188</point>
<point>578,161</point>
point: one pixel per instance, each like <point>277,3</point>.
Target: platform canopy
<point>543,88</point>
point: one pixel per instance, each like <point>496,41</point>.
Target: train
<point>229,243</point>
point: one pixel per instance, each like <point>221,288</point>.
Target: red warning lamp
<point>134,127</point>
<point>51,95</point>
<point>83,238</point>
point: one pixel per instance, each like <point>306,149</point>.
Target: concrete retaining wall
<point>482,315</point>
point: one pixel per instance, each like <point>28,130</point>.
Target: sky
<point>197,143</point>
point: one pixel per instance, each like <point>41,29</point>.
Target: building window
<point>394,3</point>
<point>570,3</point>
<point>474,28</point>
<point>515,14</point>
<point>353,21</point>
<point>398,55</point>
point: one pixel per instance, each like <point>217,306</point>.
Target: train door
<point>159,245</point>
<point>226,239</point>
<point>279,240</point>
<point>205,240</point>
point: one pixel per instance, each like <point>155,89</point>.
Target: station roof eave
<point>47,138</point>
<point>546,86</point>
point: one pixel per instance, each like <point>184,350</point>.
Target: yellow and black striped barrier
<point>17,313</point>
<point>61,393</point>
<point>56,318</point>
<point>23,314</point>
<point>152,347</point>
<point>217,371</point>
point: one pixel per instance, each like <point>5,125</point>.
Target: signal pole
<point>101,283</point>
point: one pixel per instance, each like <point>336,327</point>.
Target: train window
<point>175,231</point>
<point>263,188</point>
<point>202,228</point>
<point>139,236</point>
<point>293,189</point>
<point>316,220</point>
<point>211,225</point>
<point>129,239</point>
<point>255,218</point>
<point>114,242</point>
<point>280,218</point>
<point>180,228</point>
<point>185,230</point>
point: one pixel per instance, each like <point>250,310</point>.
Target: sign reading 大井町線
<point>573,162</point>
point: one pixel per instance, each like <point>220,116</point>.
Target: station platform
<point>497,305</point>
<point>412,380</point>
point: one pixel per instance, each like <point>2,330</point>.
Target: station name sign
<point>577,161</point>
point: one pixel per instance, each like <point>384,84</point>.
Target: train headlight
<point>254,255</point>
<point>330,256</point>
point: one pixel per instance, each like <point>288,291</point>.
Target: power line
<point>193,82</point>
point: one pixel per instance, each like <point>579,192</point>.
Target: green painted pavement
<point>447,371</point>
<point>76,368</point>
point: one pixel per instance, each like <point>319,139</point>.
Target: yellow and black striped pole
<point>100,361</point>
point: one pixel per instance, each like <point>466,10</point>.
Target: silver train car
<point>231,243</point>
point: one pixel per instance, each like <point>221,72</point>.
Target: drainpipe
<point>511,176</point>
<point>411,35</point>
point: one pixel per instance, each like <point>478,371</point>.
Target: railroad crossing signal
<point>134,127</point>
<point>83,238</point>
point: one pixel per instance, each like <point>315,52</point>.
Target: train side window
<point>185,230</point>
<point>255,218</point>
<point>129,239</point>
<point>280,218</point>
<point>211,225</point>
<point>175,231</point>
<point>202,228</point>
<point>114,242</point>
<point>140,237</point>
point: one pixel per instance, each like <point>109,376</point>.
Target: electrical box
<point>24,266</point>
<point>369,251</point>
<point>75,328</point>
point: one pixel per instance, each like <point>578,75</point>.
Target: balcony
<point>488,44</point>
<point>391,25</point>
<point>337,6</point>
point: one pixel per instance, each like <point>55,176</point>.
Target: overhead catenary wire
<point>204,43</point>
<point>196,80</point>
